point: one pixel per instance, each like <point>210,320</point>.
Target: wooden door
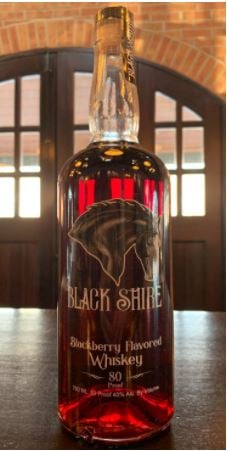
<point>182,123</point>
<point>186,126</point>
<point>27,182</point>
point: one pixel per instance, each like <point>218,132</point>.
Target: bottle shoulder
<point>119,158</point>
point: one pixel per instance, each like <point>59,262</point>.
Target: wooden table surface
<point>28,384</point>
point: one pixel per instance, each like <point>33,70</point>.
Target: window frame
<point>179,125</point>
<point>17,129</point>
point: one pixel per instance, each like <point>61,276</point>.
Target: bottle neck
<point>114,106</point>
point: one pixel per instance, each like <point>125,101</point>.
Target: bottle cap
<point>117,12</point>
<point>123,14</point>
<point>109,32</point>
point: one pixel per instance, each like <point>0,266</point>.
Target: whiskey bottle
<point>115,306</point>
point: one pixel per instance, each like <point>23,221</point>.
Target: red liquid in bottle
<point>114,311</point>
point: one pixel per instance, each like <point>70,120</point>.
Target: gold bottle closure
<point>119,12</point>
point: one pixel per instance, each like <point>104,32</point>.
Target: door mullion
<point>179,160</point>
<point>17,142</point>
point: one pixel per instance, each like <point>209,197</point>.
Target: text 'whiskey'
<point>115,307</point>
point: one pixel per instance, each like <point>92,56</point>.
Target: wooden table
<point>28,383</point>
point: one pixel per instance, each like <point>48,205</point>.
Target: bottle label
<point>115,296</point>
<point>129,65</point>
<point>128,58</point>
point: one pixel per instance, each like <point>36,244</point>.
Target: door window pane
<point>29,152</point>
<point>165,108</point>
<point>29,197</point>
<point>7,152</point>
<point>165,146</point>
<point>190,115</point>
<point>7,197</point>
<point>193,195</point>
<point>81,139</point>
<point>30,100</point>
<point>173,182</point>
<point>193,148</point>
<point>82,88</point>
<point>7,103</point>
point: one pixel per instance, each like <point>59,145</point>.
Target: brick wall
<point>186,37</point>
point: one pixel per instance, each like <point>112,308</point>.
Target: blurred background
<point>46,62</point>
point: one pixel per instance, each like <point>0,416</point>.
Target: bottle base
<point>91,436</point>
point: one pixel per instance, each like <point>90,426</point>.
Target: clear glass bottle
<point>115,307</point>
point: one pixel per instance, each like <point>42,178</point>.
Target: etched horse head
<point>109,229</point>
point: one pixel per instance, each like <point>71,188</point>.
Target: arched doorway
<point>179,120</point>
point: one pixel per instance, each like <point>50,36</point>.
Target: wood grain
<point>190,260</point>
<point>28,383</point>
<point>19,262</point>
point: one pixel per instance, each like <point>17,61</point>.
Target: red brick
<point>166,16</point>
<point>32,35</point>
<point>172,51</point>
<point>6,7</point>
<point>38,14</point>
<point>211,41</point>
<point>6,41</point>
<point>196,15</point>
<point>65,28</point>
<point>42,34</point>
<point>7,23</point>
<point>23,36</point>
<point>134,7</point>
<point>180,55</point>
<point>28,6</point>
<point>52,32</point>
<point>163,48</point>
<point>220,52</point>
<point>79,33</point>
<point>89,35</point>
<point>209,5</point>
<point>11,16</point>
<point>219,40</point>
<point>208,49</point>
<point>204,73</point>
<point>166,27</point>
<point>154,44</point>
<point>219,30</point>
<point>174,25</point>
<point>14,39</point>
<point>219,5</point>
<point>142,17</point>
<point>142,41</point>
<point>197,65</point>
<point>218,14</point>
<point>189,60</point>
<point>1,45</point>
<point>69,31</point>
<point>216,80</point>
<point>217,51</point>
<point>169,7</point>
<point>188,34</point>
<point>89,12</point>
<point>73,13</point>
<point>154,26</point>
<point>219,87</point>
<point>175,34</point>
<point>153,7</point>
<point>208,23</point>
<point>216,72</point>
<point>186,55</point>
